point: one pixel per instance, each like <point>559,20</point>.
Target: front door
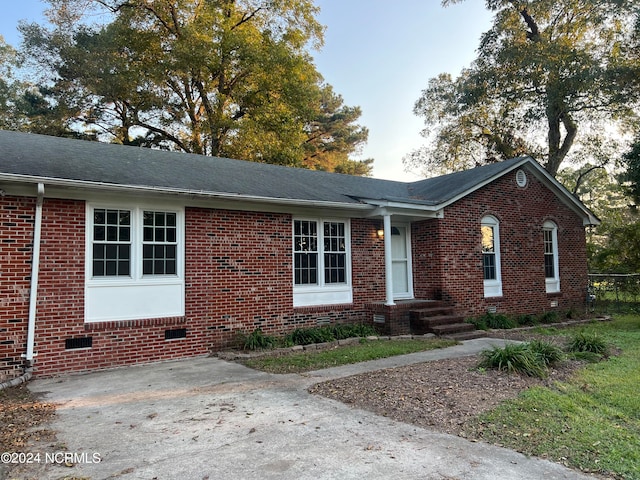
<point>401,262</point>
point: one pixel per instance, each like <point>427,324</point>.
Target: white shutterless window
<point>551,262</point>
<point>135,262</point>
<point>490,231</point>
<point>321,262</point>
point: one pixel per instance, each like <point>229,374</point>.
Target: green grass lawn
<point>367,350</point>
<point>590,423</point>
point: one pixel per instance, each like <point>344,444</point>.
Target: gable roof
<point>30,158</point>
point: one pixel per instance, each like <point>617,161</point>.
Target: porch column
<point>388,264</point>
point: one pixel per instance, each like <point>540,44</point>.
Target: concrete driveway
<point>205,418</point>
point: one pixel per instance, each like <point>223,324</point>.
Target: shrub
<point>518,358</point>
<point>306,336</point>
<point>480,323</point>
<point>546,352</point>
<point>257,340</point>
<point>588,342</point>
<point>549,317</point>
<point>526,320</point>
<point>329,333</point>
<point>498,321</point>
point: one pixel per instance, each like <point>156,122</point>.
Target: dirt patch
<point>21,416</point>
<point>443,395</point>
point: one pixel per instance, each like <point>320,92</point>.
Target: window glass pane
<point>147,267</point>
<point>98,252</point>
<point>489,266</point>
<point>549,267</point>
<point>112,217</point>
<point>99,216</point>
<point>125,234</point>
<point>98,268</point>
<point>170,267</point>
<point>99,233</point>
<point>111,268</point>
<point>487,239</point>
<point>111,251</point>
<point>112,233</point>
<point>123,267</point>
<point>147,234</point>
<point>123,252</point>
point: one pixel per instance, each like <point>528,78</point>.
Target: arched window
<point>551,264</point>
<point>491,257</point>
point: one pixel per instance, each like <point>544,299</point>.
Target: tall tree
<point>548,75</point>
<point>217,77</point>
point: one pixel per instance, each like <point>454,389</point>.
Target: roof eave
<point>110,187</point>
<point>588,218</point>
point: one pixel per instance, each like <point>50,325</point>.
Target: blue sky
<point>378,55</point>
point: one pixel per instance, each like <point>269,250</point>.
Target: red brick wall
<point>521,213</point>
<point>239,272</point>
<point>16,240</point>
<point>238,275</point>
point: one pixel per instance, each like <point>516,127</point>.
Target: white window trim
<point>493,288</point>
<point>136,296</point>
<point>321,293</point>
<point>552,284</point>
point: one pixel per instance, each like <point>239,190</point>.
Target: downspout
<point>388,261</point>
<point>35,269</point>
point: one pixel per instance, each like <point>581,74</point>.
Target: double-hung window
<point>135,263</point>
<point>321,257</point>
<point>551,264</point>
<point>111,242</point>
<point>490,235</point>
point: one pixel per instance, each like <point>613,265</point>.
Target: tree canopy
<point>548,76</point>
<point>226,78</point>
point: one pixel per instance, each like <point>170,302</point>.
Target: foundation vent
<point>73,343</point>
<point>175,333</point>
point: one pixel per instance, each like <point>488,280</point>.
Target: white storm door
<point>401,262</point>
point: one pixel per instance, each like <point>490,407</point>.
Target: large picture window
<point>490,235</point>
<point>321,262</point>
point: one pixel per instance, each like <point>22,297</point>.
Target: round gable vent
<point>521,178</point>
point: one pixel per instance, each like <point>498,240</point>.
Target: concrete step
<point>466,335</point>
<point>432,311</point>
<point>438,320</point>
<point>452,328</point>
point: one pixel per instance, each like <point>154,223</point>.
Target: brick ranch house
<point>114,255</point>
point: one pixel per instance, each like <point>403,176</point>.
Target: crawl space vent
<point>73,343</point>
<point>175,333</point>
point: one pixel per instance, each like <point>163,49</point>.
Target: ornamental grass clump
<point>548,353</point>
<point>257,340</point>
<point>514,358</point>
<point>588,342</point>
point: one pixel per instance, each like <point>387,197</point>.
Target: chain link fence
<point>613,293</point>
